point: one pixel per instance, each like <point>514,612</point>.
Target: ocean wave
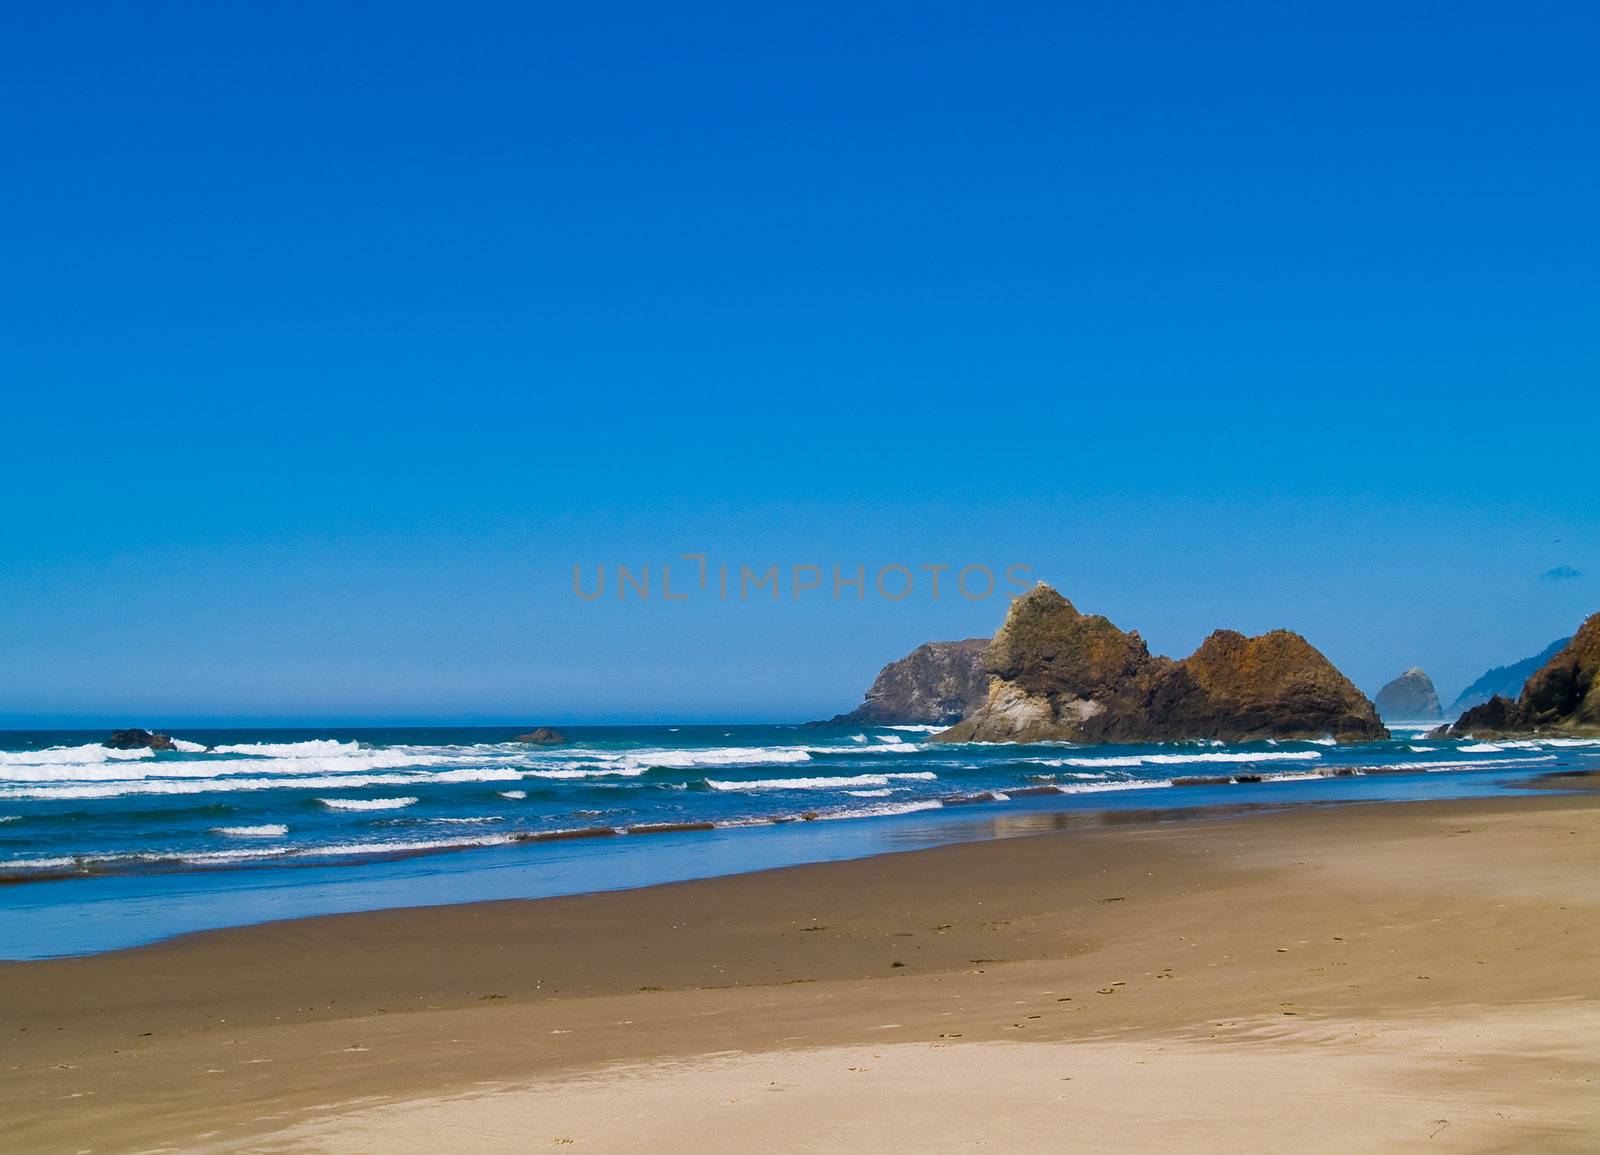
<point>316,748</point>
<point>1129,760</point>
<point>266,830</point>
<point>1107,787</point>
<point>516,794</point>
<point>366,803</point>
<point>219,857</point>
<point>885,810</point>
<point>184,747</point>
<point>892,739</point>
<point>919,728</point>
<point>70,756</point>
<point>883,793</point>
<point>1481,748</point>
<point>858,780</point>
<point>1463,763</point>
<point>120,789</point>
<point>219,768</point>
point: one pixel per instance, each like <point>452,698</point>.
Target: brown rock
<point>1563,695</point>
<point>1058,674</point>
<point>935,684</point>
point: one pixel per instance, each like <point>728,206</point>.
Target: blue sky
<point>331,341</point>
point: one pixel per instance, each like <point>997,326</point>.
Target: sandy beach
<point>1368,977</point>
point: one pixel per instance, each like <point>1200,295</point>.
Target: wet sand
<point>1379,977</point>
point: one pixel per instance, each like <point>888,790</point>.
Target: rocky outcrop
<point>1562,696</point>
<point>139,740</point>
<point>935,684</point>
<point>543,736</point>
<point>1410,697</point>
<point>1056,674</point>
<point>1507,681</point>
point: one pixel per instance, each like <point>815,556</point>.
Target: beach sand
<point>1406,976</point>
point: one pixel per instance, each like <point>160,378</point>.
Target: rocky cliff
<point>1507,681</point>
<point>1410,697</point>
<point>1563,696</point>
<point>935,684</point>
<point>1056,674</point>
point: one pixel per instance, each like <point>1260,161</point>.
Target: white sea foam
<point>515,794</point>
<point>884,793</point>
<point>885,809</point>
<point>858,781</point>
<point>1464,764</point>
<point>892,739</point>
<point>466,821</point>
<point>189,747</point>
<point>632,763</point>
<point>316,748</point>
<point>858,737</point>
<point>1481,748</point>
<point>1103,787</point>
<point>366,803</point>
<point>266,830</point>
<point>918,728</point>
<point>4,818</point>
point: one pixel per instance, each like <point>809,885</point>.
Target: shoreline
<point>135,908</point>
<point>1263,934</point>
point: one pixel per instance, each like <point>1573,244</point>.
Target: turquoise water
<point>108,849</point>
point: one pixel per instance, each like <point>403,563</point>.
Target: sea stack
<point>936,684</point>
<point>1562,696</point>
<point>1410,697</point>
<point>137,739</point>
<point>1056,674</point>
<point>542,736</point>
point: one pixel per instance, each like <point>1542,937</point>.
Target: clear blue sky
<point>331,337</point>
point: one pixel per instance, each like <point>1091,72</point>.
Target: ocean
<point>104,849</point>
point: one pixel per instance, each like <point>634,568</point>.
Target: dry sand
<point>1388,977</point>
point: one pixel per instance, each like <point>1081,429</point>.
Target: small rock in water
<point>138,740</point>
<point>542,736</point>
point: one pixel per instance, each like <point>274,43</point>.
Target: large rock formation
<point>935,684</point>
<point>1507,681</point>
<point>1410,697</point>
<point>1059,675</point>
<point>1562,696</point>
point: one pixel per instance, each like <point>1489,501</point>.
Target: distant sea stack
<point>1507,681</point>
<point>1056,674</point>
<point>934,685</point>
<point>542,736</point>
<point>1410,697</point>
<point>138,740</point>
<point>1562,696</point>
